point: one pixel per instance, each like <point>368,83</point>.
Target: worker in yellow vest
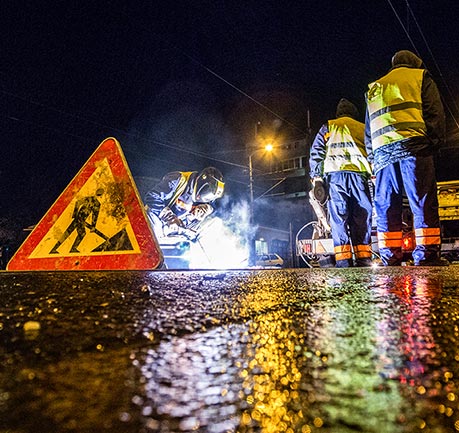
<point>404,128</point>
<point>183,198</point>
<point>338,157</point>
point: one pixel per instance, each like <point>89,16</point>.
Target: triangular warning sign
<point>97,223</point>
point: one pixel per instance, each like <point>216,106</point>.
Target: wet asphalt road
<point>304,350</point>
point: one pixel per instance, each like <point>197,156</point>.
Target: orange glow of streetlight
<point>269,147</point>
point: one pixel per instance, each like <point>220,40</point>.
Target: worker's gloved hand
<point>170,219</point>
<point>201,211</point>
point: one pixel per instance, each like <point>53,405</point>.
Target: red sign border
<point>150,256</point>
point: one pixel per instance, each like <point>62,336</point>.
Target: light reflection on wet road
<point>306,350</point>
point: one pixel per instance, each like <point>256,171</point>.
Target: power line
<point>98,124</point>
<point>160,143</point>
<point>403,26</point>
<point>215,74</point>
<point>128,150</point>
<point>435,63</point>
<point>240,90</point>
<point>430,52</point>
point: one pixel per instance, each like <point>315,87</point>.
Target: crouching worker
<point>339,158</point>
<point>182,200</point>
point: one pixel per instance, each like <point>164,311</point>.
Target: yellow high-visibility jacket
<point>345,148</point>
<point>394,104</point>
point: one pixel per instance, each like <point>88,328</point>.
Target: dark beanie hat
<point>346,108</point>
<point>406,57</point>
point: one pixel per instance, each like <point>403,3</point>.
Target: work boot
<point>391,256</point>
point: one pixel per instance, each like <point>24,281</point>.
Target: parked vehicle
<point>269,260</point>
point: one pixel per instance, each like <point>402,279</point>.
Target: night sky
<point>181,84</point>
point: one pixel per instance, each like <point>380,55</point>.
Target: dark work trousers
<point>415,176</point>
<point>350,210</point>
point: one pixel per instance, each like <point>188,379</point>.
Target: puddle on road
<point>318,351</point>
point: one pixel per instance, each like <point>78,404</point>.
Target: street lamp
<point>267,148</point>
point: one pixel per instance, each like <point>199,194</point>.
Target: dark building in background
<point>281,205</point>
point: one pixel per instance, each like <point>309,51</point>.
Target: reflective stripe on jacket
<point>395,107</point>
<point>171,188</point>
<point>345,146</point>
<point>185,176</point>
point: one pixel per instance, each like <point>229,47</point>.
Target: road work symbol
<point>84,208</point>
<point>89,208</point>
<point>98,222</point>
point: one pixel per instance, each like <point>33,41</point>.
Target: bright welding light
<point>218,248</point>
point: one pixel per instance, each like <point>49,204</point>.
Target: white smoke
<point>224,242</point>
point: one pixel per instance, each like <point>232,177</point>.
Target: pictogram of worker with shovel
<point>84,208</point>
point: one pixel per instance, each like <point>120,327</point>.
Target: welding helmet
<point>208,185</point>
